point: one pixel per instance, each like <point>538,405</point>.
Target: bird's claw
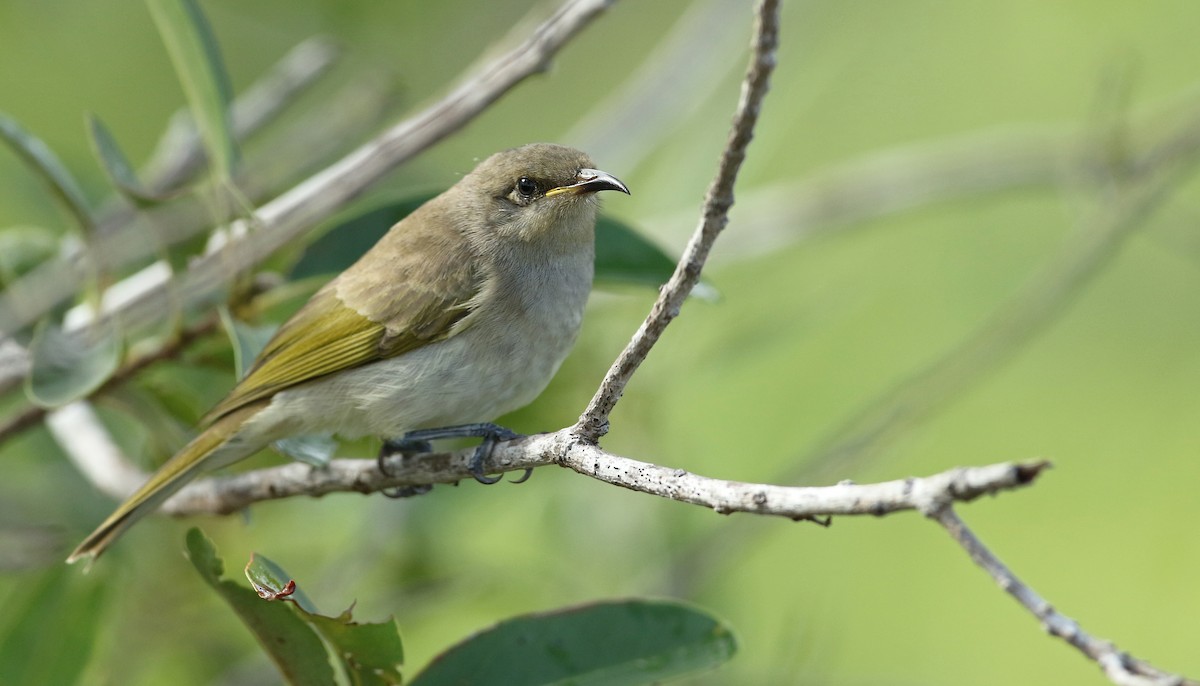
<point>419,441</point>
<point>405,447</point>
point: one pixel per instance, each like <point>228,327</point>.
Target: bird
<point>463,311</point>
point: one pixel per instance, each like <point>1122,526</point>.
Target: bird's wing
<point>390,302</point>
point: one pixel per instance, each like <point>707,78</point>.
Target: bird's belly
<point>476,376</point>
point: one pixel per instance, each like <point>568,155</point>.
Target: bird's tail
<point>210,450</point>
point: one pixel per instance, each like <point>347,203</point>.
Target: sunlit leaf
<point>197,60</point>
<point>116,165</point>
<point>290,642</point>
<point>67,366</point>
<point>618,642</point>
<point>41,159</point>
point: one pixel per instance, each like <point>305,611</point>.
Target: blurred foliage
<point>806,334</point>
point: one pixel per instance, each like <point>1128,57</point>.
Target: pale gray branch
<point>1119,667</point>
<point>222,495</point>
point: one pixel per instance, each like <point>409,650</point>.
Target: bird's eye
<point>526,187</point>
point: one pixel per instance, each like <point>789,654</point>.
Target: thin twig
<point>1119,667</point>
<point>593,423</point>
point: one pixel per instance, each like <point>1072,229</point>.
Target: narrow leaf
<point>197,60</point>
<point>289,641</point>
<point>69,366</point>
<point>42,160</point>
<point>618,642</point>
<point>116,165</point>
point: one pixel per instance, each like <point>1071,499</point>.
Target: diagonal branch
<point>593,423</point>
<point>1120,668</point>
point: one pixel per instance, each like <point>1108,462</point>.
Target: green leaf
<point>289,641</point>
<point>22,248</point>
<point>69,366</point>
<point>42,160</point>
<point>197,60</point>
<point>371,652</point>
<point>48,628</point>
<point>619,642</point>
<point>269,578</point>
<point>624,256</point>
<point>116,165</point>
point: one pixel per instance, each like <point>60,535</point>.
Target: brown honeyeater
<point>462,312</point>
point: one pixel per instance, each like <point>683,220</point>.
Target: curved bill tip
<point>591,181</point>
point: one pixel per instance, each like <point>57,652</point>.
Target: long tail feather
<point>176,472</point>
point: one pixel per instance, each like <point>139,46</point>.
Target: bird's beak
<point>590,181</point>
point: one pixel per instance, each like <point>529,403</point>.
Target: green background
<point>805,332</point>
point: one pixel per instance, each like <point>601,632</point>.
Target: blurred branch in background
<point>1123,205</point>
<point>667,87</point>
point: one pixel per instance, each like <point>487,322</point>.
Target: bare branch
<point>229,494</point>
<point>1120,668</point>
<point>593,423</point>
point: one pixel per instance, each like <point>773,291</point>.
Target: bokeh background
<point>820,313</point>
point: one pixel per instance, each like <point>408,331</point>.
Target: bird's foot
<point>405,448</point>
<point>491,435</point>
